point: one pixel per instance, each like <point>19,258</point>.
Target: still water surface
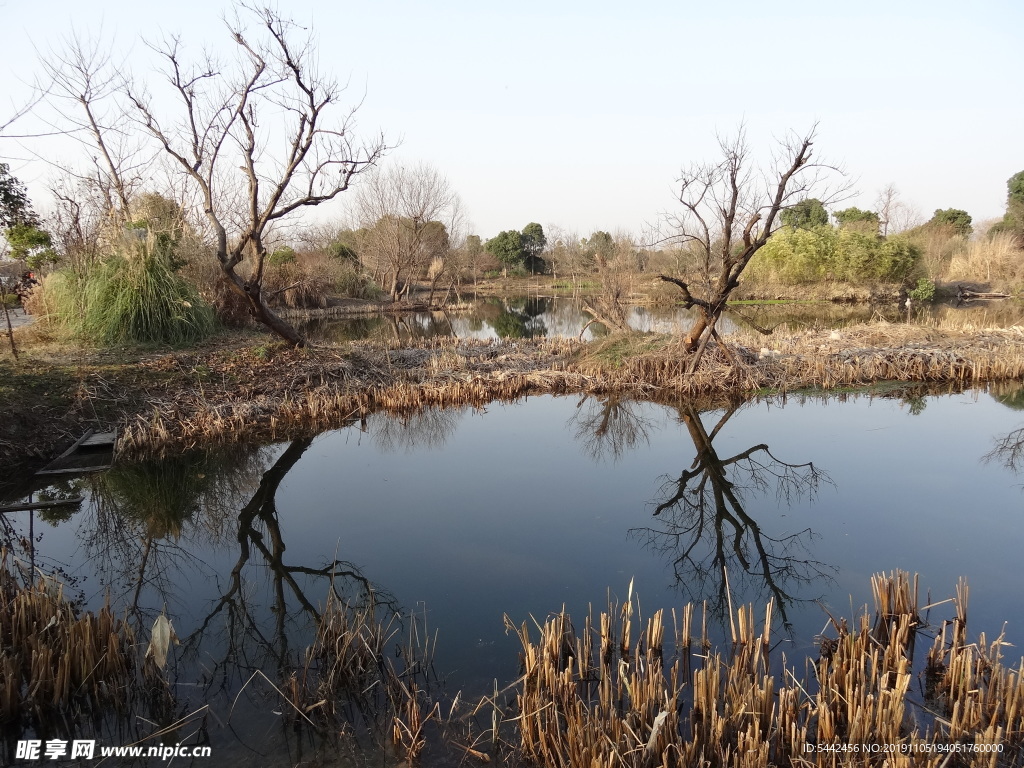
<point>465,515</point>
<point>536,316</point>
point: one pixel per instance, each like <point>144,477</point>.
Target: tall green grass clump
<point>133,297</point>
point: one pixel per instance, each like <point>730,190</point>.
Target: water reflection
<point>1009,448</point>
<point>610,425</point>
<point>427,428</point>
<point>703,526</point>
<point>532,316</point>
<point>261,543</point>
<point>144,521</point>
<point>520,318</point>
<point>200,537</point>
<point>403,328</point>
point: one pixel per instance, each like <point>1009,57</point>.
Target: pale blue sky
<point>581,114</point>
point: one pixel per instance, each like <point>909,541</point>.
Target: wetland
<point>447,520</point>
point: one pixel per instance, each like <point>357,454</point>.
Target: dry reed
<point>283,393</point>
<point>993,260</point>
<point>618,696</point>
<point>357,673</point>
<point>57,663</point>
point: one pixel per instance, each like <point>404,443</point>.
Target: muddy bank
<point>238,390</point>
<point>283,392</point>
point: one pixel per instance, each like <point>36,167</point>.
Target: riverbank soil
<point>243,385</point>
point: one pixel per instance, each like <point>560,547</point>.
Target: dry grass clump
<point>976,692</point>
<point>360,674</point>
<point>56,663</point>
<point>623,694</point>
<point>275,392</point>
<point>884,352</point>
<point>997,260</point>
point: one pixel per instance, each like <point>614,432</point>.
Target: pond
<point>461,516</point>
<point>536,316</point>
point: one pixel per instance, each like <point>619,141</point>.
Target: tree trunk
<point>692,339</point>
<point>263,314</point>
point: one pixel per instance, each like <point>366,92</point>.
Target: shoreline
<point>243,388</point>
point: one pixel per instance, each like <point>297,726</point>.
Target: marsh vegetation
<point>339,549</point>
<point>309,628</point>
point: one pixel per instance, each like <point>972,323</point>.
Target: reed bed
<point>57,664</point>
<point>282,393</point>
<point>628,692</point>
<point>361,674</point>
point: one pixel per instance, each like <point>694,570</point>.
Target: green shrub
<point>924,291</point>
<point>793,256</point>
<point>129,300</point>
<point>355,284</point>
<point>284,255</point>
<point>796,255</point>
<point>897,259</point>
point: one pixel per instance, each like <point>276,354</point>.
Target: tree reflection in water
<point>145,519</point>
<point>148,520</point>
<point>261,541</point>
<point>610,425</point>
<point>424,428</point>
<point>1008,449</point>
<point>704,528</point>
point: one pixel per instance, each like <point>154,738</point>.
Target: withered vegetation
<point>278,393</point>
<point>631,692</point>
<point>240,391</point>
<point>61,667</point>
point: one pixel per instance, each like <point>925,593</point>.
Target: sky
<point>581,114</point>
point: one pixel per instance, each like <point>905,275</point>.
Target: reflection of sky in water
<point>519,508</point>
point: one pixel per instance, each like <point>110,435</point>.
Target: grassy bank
<point>235,389</point>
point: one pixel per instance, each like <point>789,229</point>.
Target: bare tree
<point>568,255</point>
<point>409,216</point>
<point>894,215</point>
<point>617,264</point>
<point>729,210</point>
<point>220,137</point>
<point>84,87</point>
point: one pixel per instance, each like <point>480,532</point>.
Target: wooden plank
<point>92,452</point>
<point>100,440</point>
<point>75,470</point>
<point>74,447</point>
<point>41,504</point>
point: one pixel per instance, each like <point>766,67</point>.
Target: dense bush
<point>924,291</point>
<point>793,256</point>
<point>129,299</point>
<point>309,280</point>
<point>357,284</point>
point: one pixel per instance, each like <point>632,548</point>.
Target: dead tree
<point>729,210</point>
<point>222,133</point>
